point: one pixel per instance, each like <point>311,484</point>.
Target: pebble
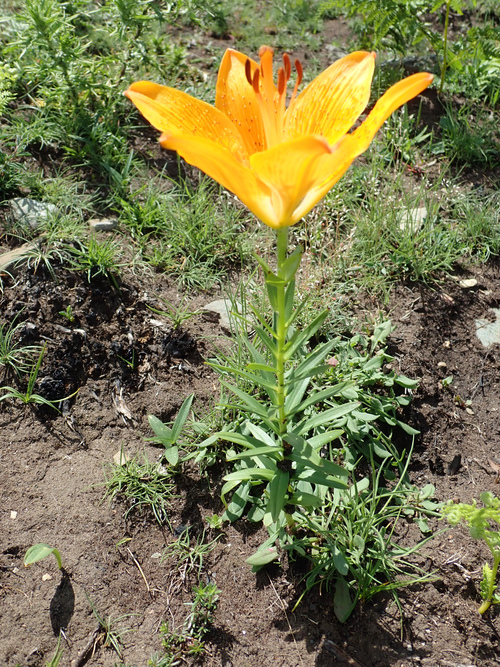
<point>30,212</point>
<point>102,224</point>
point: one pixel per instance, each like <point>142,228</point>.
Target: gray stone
<point>411,219</point>
<point>224,308</point>
<point>489,332</point>
<point>102,224</point>
<point>11,260</point>
<point>30,212</point>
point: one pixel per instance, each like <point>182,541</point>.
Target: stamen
<point>287,65</point>
<point>281,81</point>
<point>298,67</point>
<point>255,82</point>
<point>248,71</point>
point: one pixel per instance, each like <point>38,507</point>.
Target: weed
<point>68,314</point>
<point>143,486</point>
<point>479,521</point>
<point>97,258</point>
<point>110,636</point>
<point>15,357</point>
<point>176,315</point>
<point>188,556</point>
<point>352,540</point>
<point>169,437</point>
<point>188,640</point>
<point>28,396</point>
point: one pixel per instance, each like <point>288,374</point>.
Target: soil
<point>126,363</point>
<point>51,475</point>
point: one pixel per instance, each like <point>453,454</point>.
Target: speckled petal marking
<point>331,104</point>
<point>235,97</point>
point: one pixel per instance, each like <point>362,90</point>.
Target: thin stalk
<point>445,46</point>
<point>280,317</point>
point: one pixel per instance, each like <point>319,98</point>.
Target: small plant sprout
<point>169,437</point>
<point>478,520</point>
<point>68,314</point>
<point>39,552</point>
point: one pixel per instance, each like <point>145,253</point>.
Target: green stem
<point>280,327</point>
<point>445,46</point>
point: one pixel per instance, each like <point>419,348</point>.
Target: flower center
<point>271,98</point>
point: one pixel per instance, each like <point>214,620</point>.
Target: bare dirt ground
<point>51,474</point>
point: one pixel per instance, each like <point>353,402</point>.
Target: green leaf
<point>315,477</point>
<point>308,367</point>
<point>250,474</point>
<point>263,556</point>
<point>277,493</point>
<point>39,552</point>
<point>305,500</point>
<point>320,396</point>
<point>301,338</point>
<point>258,451</point>
<point>342,604</point>
<point>238,502</point>
<point>180,420</point>
<point>326,417</point>
<point>172,455</point>
<point>291,264</point>
<point>339,561</point>
<point>323,439</point>
<point>252,403</point>
<point>162,432</point>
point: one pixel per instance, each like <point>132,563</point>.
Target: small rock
<point>469,411</point>
<point>102,224</point>
<point>412,219</point>
<point>447,344</point>
<point>468,283</point>
<point>441,364</point>
<point>13,514</point>
<point>11,260</point>
<point>46,577</point>
<point>156,554</point>
<point>121,457</point>
<point>30,212</point>
<point>489,332</point>
<point>224,309</point>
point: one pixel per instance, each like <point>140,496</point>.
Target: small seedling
<point>479,522</point>
<point>39,552</point>
<point>14,357</point>
<point>142,486</point>
<point>29,396</point>
<point>214,522</point>
<point>110,636</point>
<point>177,316</point>
<point>168,437</point>
<point>68,314</point>
<point>189,557</point>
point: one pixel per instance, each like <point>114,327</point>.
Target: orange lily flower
<point>278,160</point>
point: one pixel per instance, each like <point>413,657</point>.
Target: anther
<point>298,67</point>
<point>255,82</point>
<point>287,65</point>
<point>248,71</point>
<point>281,81</point>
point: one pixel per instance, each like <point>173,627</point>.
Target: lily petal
<point>222,166</point>
<point>235,97</point>
<point>330,168</point>
<point>175,112</point>
<point>288,169</point>
<point>331,104</point>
